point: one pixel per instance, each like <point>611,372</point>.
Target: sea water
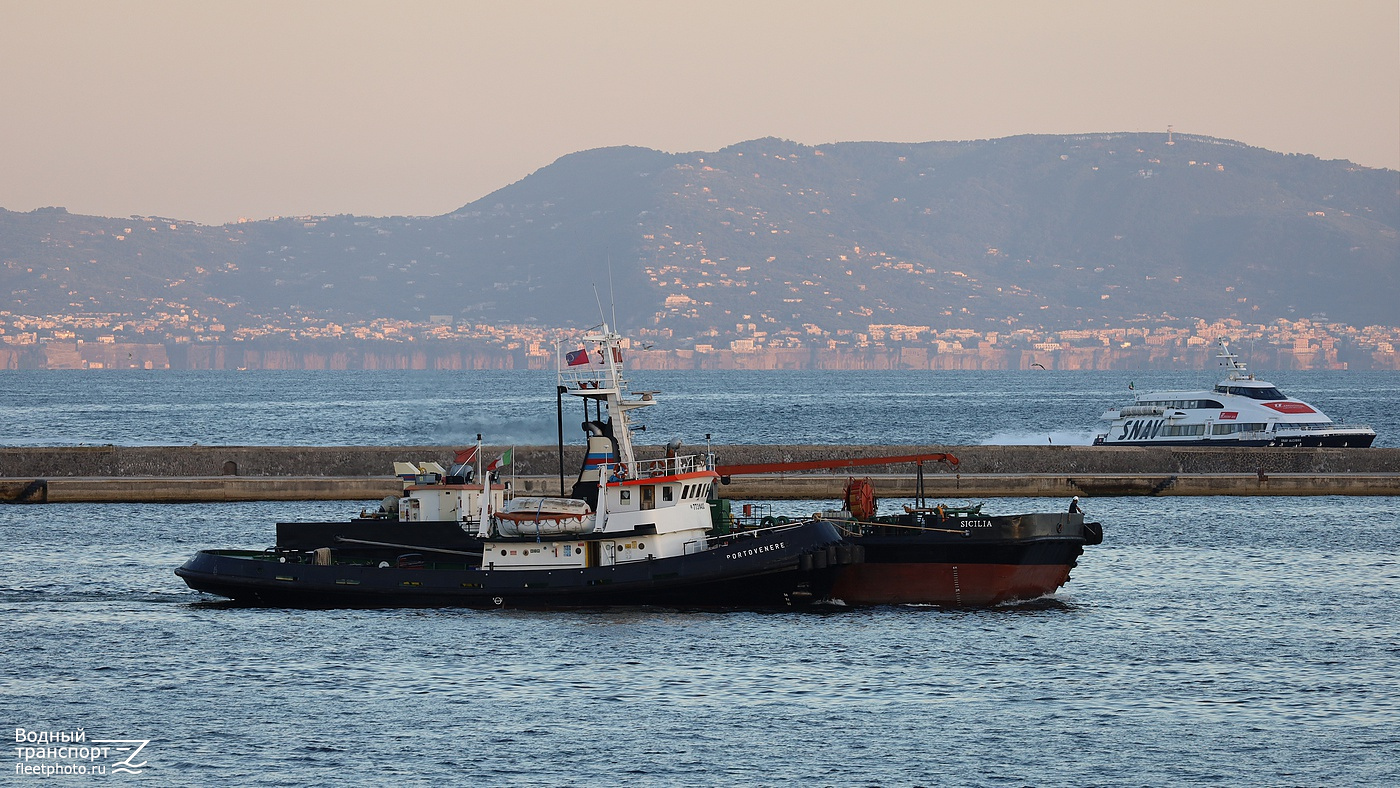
<point>1207,641</point>
<point>432,408</point>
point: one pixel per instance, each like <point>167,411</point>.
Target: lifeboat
<point>545,517</point>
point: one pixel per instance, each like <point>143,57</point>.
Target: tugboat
<point>940,555</point>
<point>633,531</point>
<point>1239,411</point>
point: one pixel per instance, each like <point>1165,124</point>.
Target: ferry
<point>1240,411</point>
<point>633,531</point>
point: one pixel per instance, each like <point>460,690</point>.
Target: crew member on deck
<point>1074,505</point>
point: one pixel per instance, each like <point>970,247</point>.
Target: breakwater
<point>223,473</point>
<point>19,462</point>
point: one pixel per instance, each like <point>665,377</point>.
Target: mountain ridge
<point>1054,231</point>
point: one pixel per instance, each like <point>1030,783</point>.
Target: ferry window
<point>626,495</point>
<point>685,492</point>
<point>1269,393</point>
<point>1186,404</point>
<point>667,492</point>
<point>1230,429</point>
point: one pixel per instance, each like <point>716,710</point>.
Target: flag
<point>576,358</point>
<point>501,461</point>
<point>464,456</point>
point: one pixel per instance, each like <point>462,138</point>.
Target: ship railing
<point>1329,427</point>
<point>670,466</point>
<point>584,378</point>
<point>1321,427</point>
<point>769,524</point>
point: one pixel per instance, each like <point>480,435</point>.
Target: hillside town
<point>177,336</point>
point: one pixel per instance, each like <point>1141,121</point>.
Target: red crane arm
<point>813,465</point>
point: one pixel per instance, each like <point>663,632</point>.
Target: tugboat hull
<point>752,570</point>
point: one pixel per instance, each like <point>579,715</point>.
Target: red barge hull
<point>963,561</point>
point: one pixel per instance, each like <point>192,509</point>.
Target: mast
<point>595,371</point>
<point>1229,361</point>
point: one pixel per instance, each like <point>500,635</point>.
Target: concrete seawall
<point>176,461</point>
<point>234,473</point>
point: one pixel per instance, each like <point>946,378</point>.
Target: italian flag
<point>501,461</point>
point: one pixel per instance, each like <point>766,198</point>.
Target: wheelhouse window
<point>1253,392</point>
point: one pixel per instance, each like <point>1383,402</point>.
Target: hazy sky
<point>217,110</point>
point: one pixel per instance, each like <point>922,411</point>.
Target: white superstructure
<point>621,508</point>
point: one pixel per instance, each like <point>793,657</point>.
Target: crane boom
<point>726,471</point>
